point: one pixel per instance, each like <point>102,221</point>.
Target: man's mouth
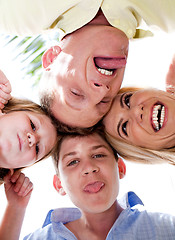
<point>94,187</point>
<point>158,116</point>
<point>108,66</point>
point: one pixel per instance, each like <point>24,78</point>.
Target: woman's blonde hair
<point>14,105</point>
<point>140,154</point>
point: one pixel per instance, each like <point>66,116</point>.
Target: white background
<point>147,65</point>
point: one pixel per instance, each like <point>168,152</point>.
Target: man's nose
<point>90,168</point>
<point>32,139</point>
<point>100,90</point>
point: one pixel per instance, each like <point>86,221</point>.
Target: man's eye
<point>32,125</point>
<point>124,125</point>
<point>73,163</point>
<point>76,93</point>
<point>127,100</point>
<point>98,156</point>
<point>37,148</point>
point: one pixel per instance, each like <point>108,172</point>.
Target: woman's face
<point>144,118</point>
<point>25,137</point>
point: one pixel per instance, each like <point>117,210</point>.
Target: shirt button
<point>117,22</point>
<point>130,32</point>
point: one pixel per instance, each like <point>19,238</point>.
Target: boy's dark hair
<point>99,129</point>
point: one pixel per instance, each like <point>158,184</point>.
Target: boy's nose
<point>90,169</point>
<point>32,139</point>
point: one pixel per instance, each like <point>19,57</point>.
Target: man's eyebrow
<point>121,100</point>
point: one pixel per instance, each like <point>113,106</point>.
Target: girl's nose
<point>32,139</point>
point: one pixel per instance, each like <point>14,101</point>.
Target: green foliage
<point>29,50</point>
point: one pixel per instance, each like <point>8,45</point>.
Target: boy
<point>88,170</point>
<point>84,73</point>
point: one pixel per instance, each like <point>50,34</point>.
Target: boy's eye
<point>37,148</point>
<point>124,125</point>
<point>32,125</point>
<point>127,100</point>
<point>98,156</point>
<point>72,163</point>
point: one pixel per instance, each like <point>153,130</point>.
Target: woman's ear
<point>122,168</point>
<point>57,185</point>
<point>49,56</point>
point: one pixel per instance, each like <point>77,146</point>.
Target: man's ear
<point>57,185</point>
<point>122,168</point>
<point>50,55</point>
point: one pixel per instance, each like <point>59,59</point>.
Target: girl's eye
<point>124,125</point>
<point>32,125</point>
<point>98,156</point>
<point>72,163</point>
<point>37,148</point>
<point>127,100</point>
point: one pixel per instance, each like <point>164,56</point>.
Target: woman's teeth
<point>158,116</point>
<point>105,72</point>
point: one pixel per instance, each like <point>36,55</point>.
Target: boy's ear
<point>57,185</point>
<point>49,56</point>
<point>122,168</point>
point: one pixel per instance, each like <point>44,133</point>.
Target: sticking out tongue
<point>110,63</point>
<point>94,187</point>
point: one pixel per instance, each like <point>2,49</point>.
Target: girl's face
<point>143,118</point>
<point>25,137</point>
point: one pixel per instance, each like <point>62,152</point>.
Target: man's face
<point>87,74</point>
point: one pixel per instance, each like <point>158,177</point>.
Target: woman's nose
<point>32,139</point>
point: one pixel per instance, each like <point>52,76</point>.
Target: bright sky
<point>147,66</point>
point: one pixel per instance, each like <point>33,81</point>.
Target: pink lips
<point>110,63</point>
<point>94,187</point>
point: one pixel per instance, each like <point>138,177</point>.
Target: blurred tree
<point>29,51</point>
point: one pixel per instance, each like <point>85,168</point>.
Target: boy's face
<point>88,173</point>
<point>87,73</point>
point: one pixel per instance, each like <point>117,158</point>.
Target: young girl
<point>27,135</point>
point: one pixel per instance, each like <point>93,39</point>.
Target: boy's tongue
<point>94,187</point>
<point>110,63</point>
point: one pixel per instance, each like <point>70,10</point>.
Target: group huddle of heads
<point>138,127</point>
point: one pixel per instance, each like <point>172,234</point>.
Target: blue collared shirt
<point>133,223</point>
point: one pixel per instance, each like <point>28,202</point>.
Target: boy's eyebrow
<point>93,148</point>
<point>69,154</point>
<point>99,146</point>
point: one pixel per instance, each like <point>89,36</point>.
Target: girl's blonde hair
<point>14,105</point>
<point>140,154</point>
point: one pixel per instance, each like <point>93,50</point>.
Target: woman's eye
<point>124,125</point>
<point>73,163</point>
<point>37,148</point>
<point>127,100</point>
<point>98,156</point>
<point>32,125</point>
